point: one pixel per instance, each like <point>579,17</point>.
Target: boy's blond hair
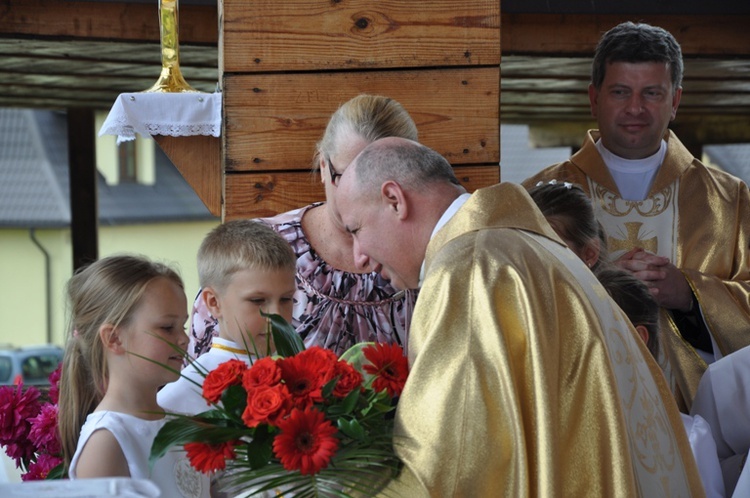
<point>239,245</point>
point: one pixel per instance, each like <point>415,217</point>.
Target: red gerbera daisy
<point>209,458</point>
<point>307,441</point>
<point>389,365</point>
<point>306,373</point>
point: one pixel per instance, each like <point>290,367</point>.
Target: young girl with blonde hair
<point>127,316</point>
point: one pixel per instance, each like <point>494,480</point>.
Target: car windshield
<point>39,367</point>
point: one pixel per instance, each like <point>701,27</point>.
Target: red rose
<point>266,405</point>
<point>389,365</point>
<point>218,380</point>
<point>264,372</point>
<point>349,379</point>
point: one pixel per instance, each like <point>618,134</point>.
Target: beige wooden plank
<point>274,121</point>
<point>251,195</point>
<point>295,35</point>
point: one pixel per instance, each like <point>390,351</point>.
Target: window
<point>126,162</point>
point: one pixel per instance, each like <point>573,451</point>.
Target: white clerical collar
<point>445,218</point>
<point>633,177</point>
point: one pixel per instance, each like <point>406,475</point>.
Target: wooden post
<point>84,212</point>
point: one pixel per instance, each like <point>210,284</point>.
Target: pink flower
<point>41,468</point>
<point>43,431</point>
<point>17,406</point>
<point>21,451</point>
<point>54,384</point>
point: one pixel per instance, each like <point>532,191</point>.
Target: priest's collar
<point>445,218</point>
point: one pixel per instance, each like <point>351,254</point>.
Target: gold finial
<point>171,79</point>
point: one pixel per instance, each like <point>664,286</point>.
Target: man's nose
<point>635,104</point>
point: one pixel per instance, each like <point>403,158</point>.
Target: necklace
<point>229,348</point>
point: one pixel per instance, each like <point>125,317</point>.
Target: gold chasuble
<point>526,379</point>
<point>699,218</point>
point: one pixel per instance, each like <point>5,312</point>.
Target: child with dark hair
<point>569,212</point>
<point>635,299</point>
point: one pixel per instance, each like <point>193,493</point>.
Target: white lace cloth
<point>169,114</point>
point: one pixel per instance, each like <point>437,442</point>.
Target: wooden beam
<point>204,174</point>
<point>578,34</point>
<point>104,20</point>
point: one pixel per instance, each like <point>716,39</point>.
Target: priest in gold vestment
<point>525,378</point>
<point>698,218</point>
<point>679,226</point>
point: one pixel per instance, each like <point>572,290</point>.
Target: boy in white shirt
<point>244,267</point>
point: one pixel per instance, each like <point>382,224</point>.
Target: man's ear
<point>395,198</point>
<point>593,97</point>
<point>110,337</point>
<point>211,300</point>
<point>676,102</point>
<point>643,332</point>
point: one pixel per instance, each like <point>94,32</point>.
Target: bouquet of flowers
<point>28,429</point>
<point>303,423</point>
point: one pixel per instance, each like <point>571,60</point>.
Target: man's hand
<point>665,281</point>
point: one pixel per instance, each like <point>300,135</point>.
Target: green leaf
<point>351,428</point>
<point>234,400</point>
<point>346,406</point>
<point>286,339</point>
<point>259,452</point>
<point>57,472</point>
<point>260,449</point>
<point>329,387</point>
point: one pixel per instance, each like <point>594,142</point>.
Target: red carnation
<point>266,405</point>
<point>389,365</point>
<point>307,441</point>
<point>209,458</point>
<point>349,379</point>
<point>218,380</point>
<point>306,373</point>
<point>264,372</point>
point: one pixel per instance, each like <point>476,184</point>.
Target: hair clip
<point>567,185</point>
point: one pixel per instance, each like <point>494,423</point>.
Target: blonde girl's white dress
<point>172,473</point>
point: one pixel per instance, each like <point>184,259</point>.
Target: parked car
<point>31,365</point>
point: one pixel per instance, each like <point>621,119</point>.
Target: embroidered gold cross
<point>632,240</point>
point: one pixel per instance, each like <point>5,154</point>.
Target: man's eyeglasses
<point>334,176</point>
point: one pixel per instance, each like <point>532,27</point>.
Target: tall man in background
<point>677,225</point>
